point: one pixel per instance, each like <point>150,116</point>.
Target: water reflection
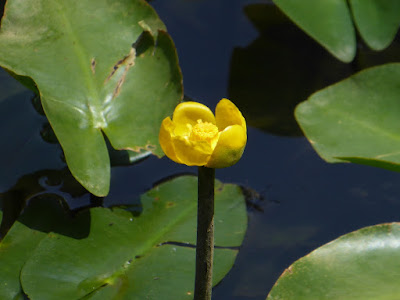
<point>278,70</point>
<point>57,185</point>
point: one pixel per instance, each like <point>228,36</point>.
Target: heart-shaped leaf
<point>102,67</point>
<point>362,265</point>
<point>145,251</point>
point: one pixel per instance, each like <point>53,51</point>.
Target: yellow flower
<point>195,137</point>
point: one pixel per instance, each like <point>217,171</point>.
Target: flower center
<point>203,131</point>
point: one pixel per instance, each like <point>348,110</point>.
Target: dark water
<point>253,55</point>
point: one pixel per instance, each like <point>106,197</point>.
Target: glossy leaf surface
<point>21,240</point>
<point>356,120</point>
<point>377,21</point>
<point>143,251</point>
<point>360,265</point>
<point>330,23</point>
<point>95,75</point>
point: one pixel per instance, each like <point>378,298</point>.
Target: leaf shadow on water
<point>284,66</point>
<point>41,201</point>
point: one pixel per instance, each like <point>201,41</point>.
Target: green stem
<point>205,234</point>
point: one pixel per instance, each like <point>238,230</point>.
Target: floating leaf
<point>357,119</point>
<point>328,22</point>
<point>362,265</point>
<point>131,253</point>
<point>377,21</point>
<point>101,67</point>
<point>21,240</point>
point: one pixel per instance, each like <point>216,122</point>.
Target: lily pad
<point>377,21</point>
<point>21,240</point>
<point>101,67</point>
<point>362,265</point>
<point>139,252</point>
<point>356,120</point>
<point>330,23</point>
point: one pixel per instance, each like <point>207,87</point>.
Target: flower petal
<point>188,113</point>
<point>192,153</point>
<point>165,138</point>
<point>226,114</point>
<point>230,147</point>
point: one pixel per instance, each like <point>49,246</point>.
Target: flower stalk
<point>205,234</point>
<point>194,136</point>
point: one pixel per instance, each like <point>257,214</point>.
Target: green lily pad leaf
<point>328,22</point>
<point>362,265</point>
<point>377,21</point>
<point>141,252</point>
<point>101,67</point>
<point>356,120</point>
<point>21,240</point>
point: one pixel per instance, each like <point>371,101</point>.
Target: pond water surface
<point>249,52</point>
